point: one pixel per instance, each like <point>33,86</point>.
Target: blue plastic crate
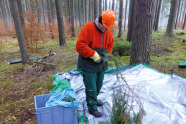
<point>52,115</point>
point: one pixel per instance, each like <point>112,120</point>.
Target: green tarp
<point>182,64</point>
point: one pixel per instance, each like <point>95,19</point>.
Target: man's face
<point>102,28</point>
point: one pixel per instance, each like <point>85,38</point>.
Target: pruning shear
<point>79,122</point>
<point>84,113</point>
<point>78,117</point>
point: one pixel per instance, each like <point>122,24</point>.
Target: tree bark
<point>90,8</point>
<point>79,8</point>
<point>120,18</point>
<point>131,19</point>
<point>142,34</point>
<point>184,10</point>
<point>184,24</point>
<point>125,19</point>
<point>95,9</point>
<point>175,26</point>
<point>181,9</point>
<point>100,4</point>
<point>110,5</point>
<point>52,11</point>
<point>155,12</point>
<point>38,10</point>
<point>62,41</point>
<point>3,14</point>
<point>105,4</point>
<point>19,31</point>
<point>43,12</point>
<point>113,5</point>
<point>85,11</point>
<point>48,11</point>
<point>172,16</point>
<point>67,10</point>
<point>156,25</point>
<point>9,21</point>
<point>72,18</point>
<point>49,19</point>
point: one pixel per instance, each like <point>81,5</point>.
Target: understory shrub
<point>122,48</point>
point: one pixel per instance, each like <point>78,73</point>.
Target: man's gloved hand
<point>96,57</point>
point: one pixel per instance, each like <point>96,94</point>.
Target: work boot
<point>96,113</point>
<point>99,103</point>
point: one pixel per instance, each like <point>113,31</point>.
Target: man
<point>95,38</point>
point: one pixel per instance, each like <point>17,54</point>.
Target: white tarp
<point>163,96</point>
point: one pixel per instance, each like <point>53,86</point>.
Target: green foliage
<point>122,48</point>
<point>122,107</point>
<point>120,113</point>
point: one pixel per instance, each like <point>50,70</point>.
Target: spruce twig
<point>122,105</point>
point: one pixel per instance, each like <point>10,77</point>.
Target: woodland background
<point>152,32</point>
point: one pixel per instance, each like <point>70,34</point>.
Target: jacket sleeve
<point>110,44</point>
<point>82,44</point>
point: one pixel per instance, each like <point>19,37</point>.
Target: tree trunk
<point>85,11</point>
<point>75,13</point>
<point>25,7</point>
<point>184,24</point>
<point>95,9</point>
<point>155,12</point>
<point>62,41</point>
<point>100,4</point>
<point>181,9</point>
<point>90,11</point>
<point>48,11</point>
<point>110,5</point>
<point>113,5</point>
<point>142,34</point>
<point>43,12</point>
<point>19,30</point>
<point>67,10</point>
<point>3,14</point>
<point>9,19</point>
<point>125,19</point>
<point>49,19</point>
<point>52,11</point>
<point>172,16</point>
<point>27,4</point>
<point>184,11</point>
<point>120,18</point>
<point>72,17</point>
<point>38,11</point>
<point>156,25</point>
<point>79,9</point>
<point>131,20</point>
<point>175,26</point>
<point>105,4</point>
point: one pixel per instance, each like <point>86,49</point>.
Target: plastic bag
<point>59,84</point>
<point>67,98</point>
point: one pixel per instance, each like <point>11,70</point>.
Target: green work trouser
<point>93,83</point>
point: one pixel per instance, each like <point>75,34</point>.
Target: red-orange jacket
<point>90,37</point>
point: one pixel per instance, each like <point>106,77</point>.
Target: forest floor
<point>20,83</point>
